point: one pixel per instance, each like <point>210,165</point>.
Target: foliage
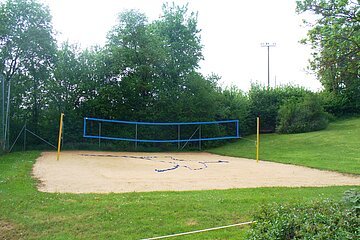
<point>352,198</point>
<point>147,71</point>
<point>26,213</point>
<point>335,41</point>
<point>335,104</point>
<point>317,220</point>
<point>155,66</point>
<point>236,105</point>
<point>266,103</point>
<point>334,149</point>
<point>27,51</point>
<point>303,115</point>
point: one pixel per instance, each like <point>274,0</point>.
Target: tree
<point>155,63</point>
<point>136,54</point>
<point>27,49</point>
<point>180,36</point>
<point>335,40</point>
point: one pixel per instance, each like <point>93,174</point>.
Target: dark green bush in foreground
<point>304,115</point>
<point>317,220</point>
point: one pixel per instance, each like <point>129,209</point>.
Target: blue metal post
<point>136,135</point>
<point>237,129</point>
<point>200,137</point>
<point>99,135</point>
<point>178,136</point>
<point>84,134</point>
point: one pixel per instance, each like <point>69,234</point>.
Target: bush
<point>340,105</point>
<point>304,115</point>
<point>266,103</point>
<point>234,104</point>
<point>352,212</point>
<point>324,219</point>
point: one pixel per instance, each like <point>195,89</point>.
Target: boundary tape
<point>199,231</point>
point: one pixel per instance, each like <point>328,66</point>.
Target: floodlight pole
<point>268,45</point>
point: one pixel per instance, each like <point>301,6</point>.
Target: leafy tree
<point>103,89</point>
<point>64,91</point>
<point>335,40</point>
<point>155,63</point>
<point>27,49</point>
<point>180,36</point>
<point>136,55</point>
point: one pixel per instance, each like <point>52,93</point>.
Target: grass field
<point>28,214</point>
<point>337,148</point>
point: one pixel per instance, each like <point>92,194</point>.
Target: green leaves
<point>324,219</point>
<point>156,63</point>
<point>304,115</point>
<point>335,41</point>
<point>27,51</point>
<point>266,103</point>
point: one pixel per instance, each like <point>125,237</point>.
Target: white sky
<point>231,32</point>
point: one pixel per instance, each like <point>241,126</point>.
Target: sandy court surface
<point>103,172</point>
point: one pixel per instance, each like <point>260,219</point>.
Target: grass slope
<point>337,148</point>
<point>26,213</point>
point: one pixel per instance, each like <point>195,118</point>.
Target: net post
<point>84,133</point>
<point>200,137</point>
<point>237,129</point>
<point>60,136</point>
<point>136,135</point>
<point>257,138</point>
<point>178,136</point>
<point>99,135</point>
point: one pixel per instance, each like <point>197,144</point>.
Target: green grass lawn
<point>26,213</point>
<point>337,148</point>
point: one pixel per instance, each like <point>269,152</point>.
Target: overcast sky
<point>231,31</point>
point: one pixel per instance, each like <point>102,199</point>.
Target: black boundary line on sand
<point>174,161</point>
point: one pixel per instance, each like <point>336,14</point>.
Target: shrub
<point>351,200</point>
<point>304,115</point>
<point>340,105</point>
<point>324,219</point>
<point>266,103</point>
<point>235,105</point>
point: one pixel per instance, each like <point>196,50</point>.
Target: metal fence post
<point>136,135</point>
<point>99,135</point>
<point>200,137</point>
<point>179,136</point>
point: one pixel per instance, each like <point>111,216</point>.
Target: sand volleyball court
<point>104,172</point>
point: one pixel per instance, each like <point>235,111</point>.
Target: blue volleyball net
<point>160,132</point>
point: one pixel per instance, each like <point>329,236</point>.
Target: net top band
<point>160,123</point>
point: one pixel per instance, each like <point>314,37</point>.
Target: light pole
<point>268,45</point>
